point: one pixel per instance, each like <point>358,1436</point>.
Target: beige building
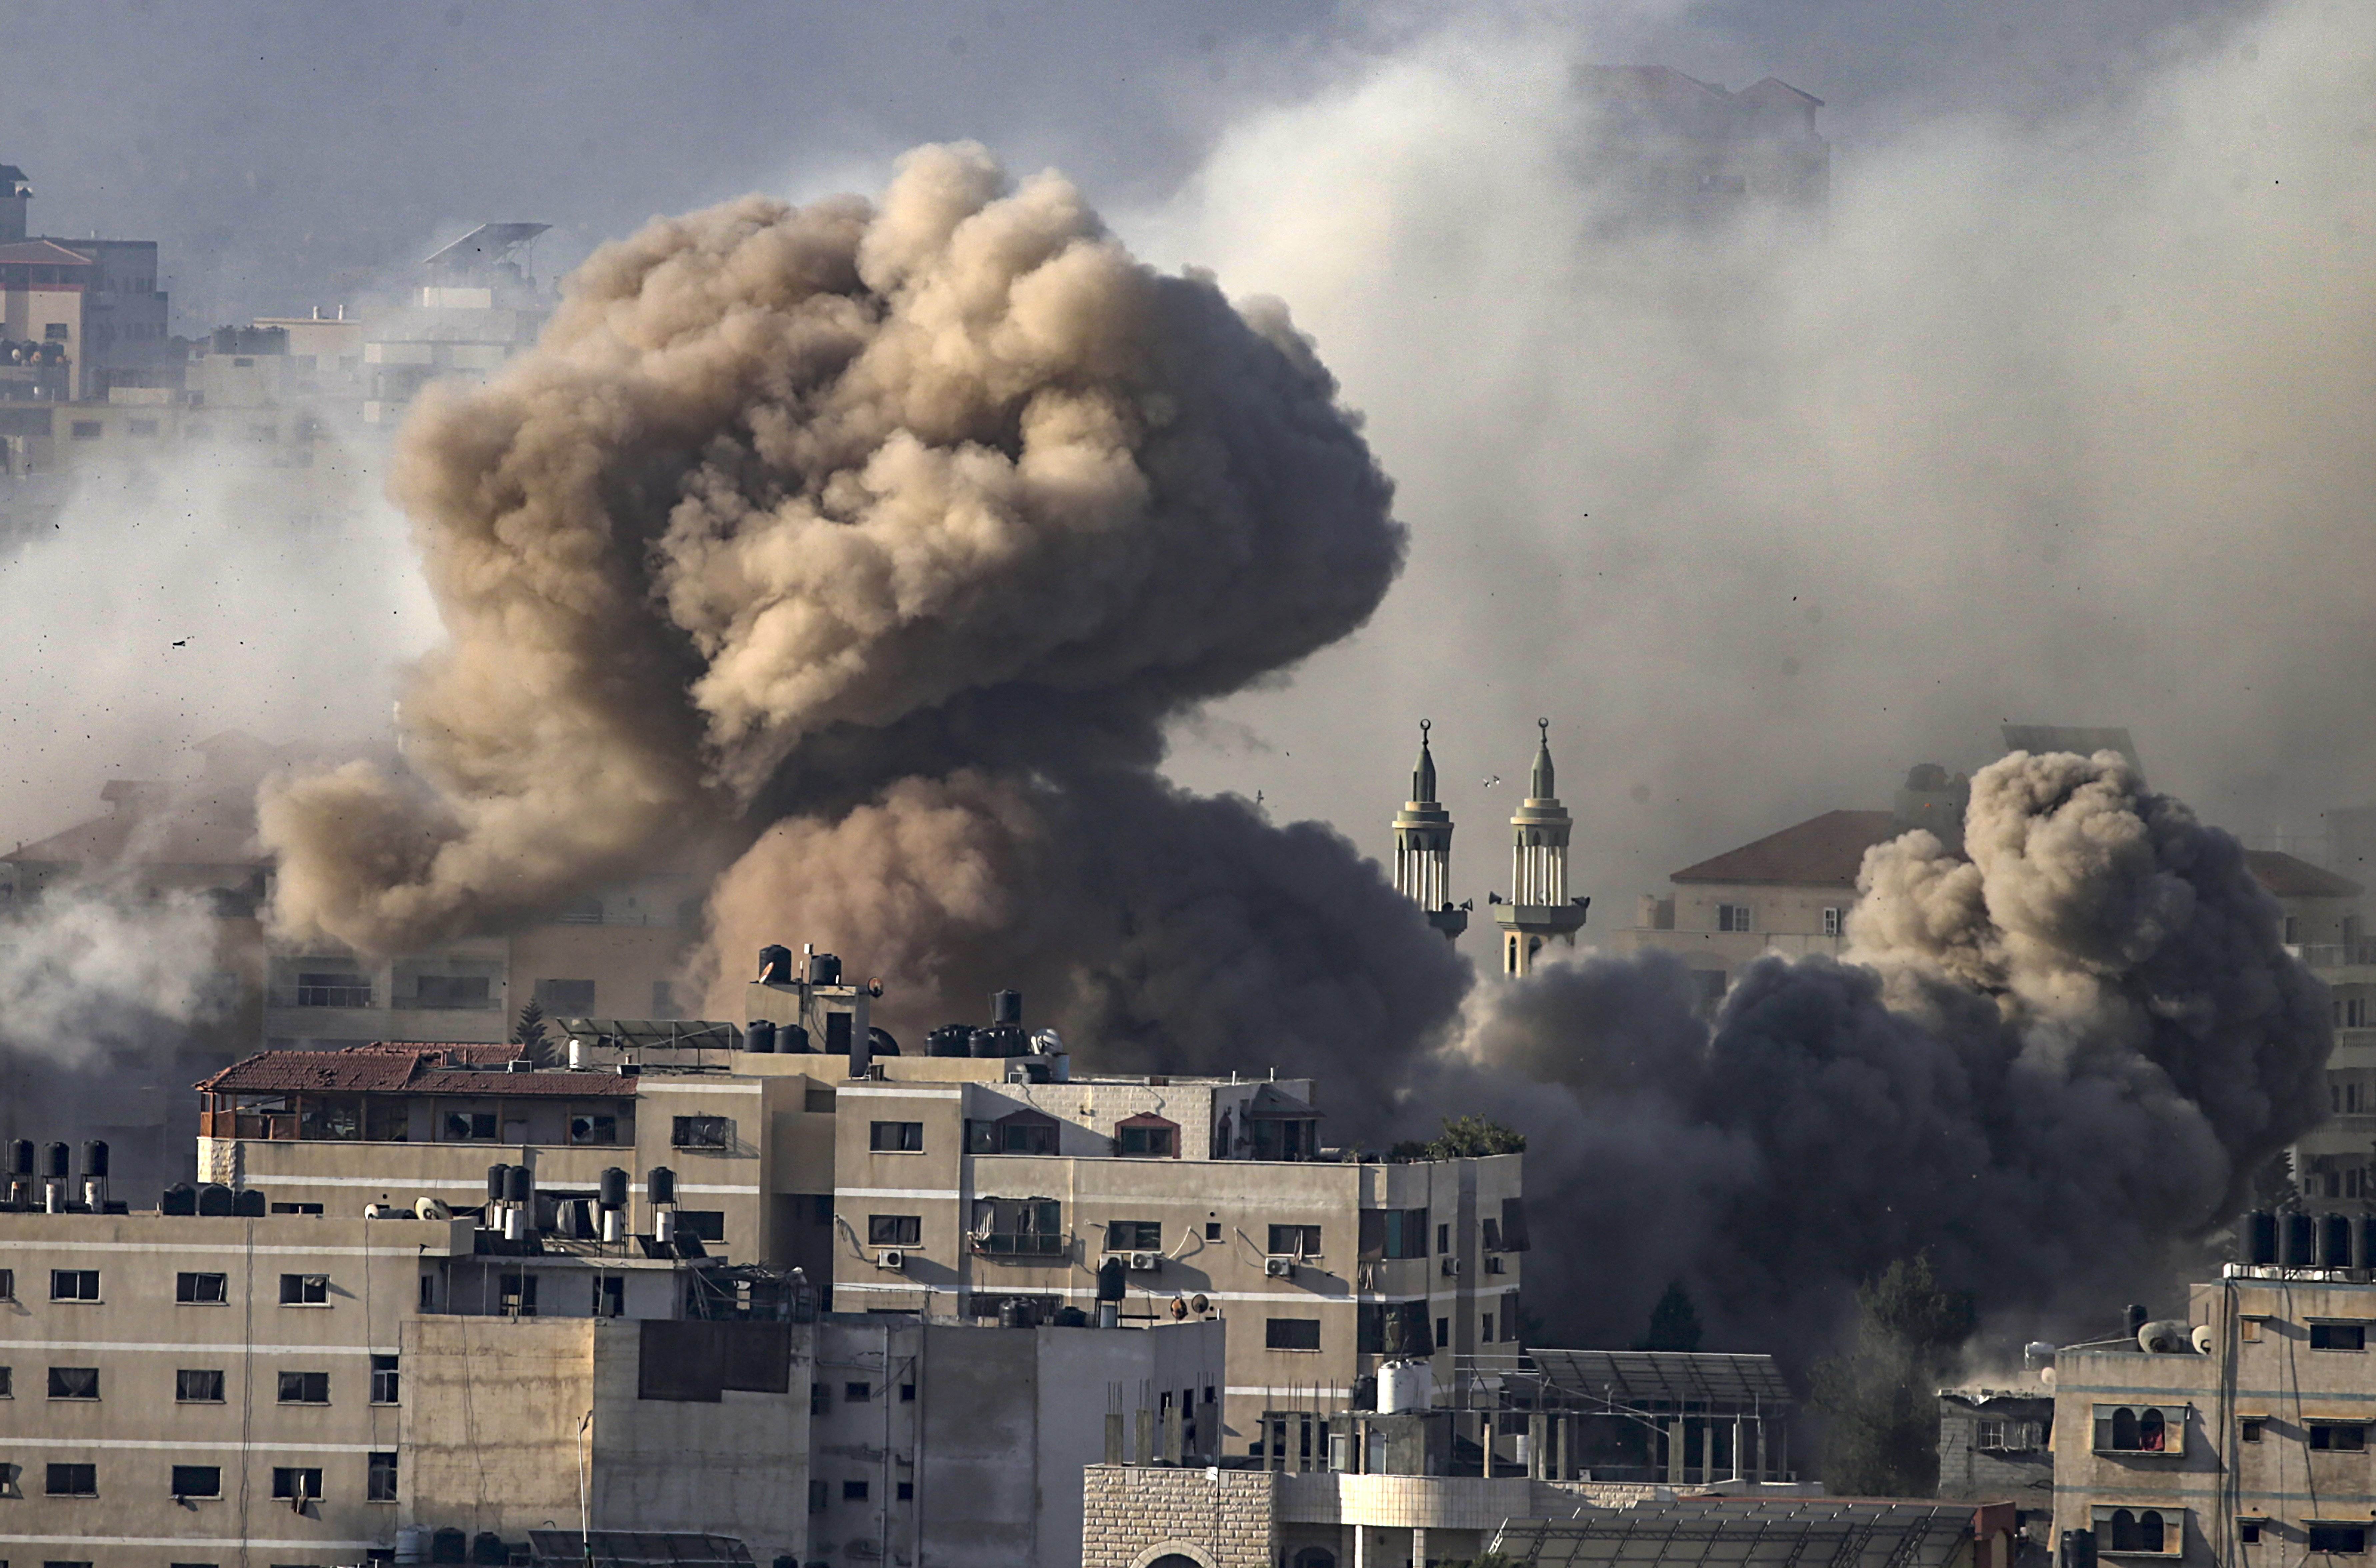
<point>931,1184</point>
<point>302,1389</point>
<point>2245,1441</point>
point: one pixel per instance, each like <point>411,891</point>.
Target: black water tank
<point>519,1185</point>
<point>1000,1039</point>
<point>2334,1240</point>
<point>248,1203</point>
<point>1014,1312</point>
<point>20,1157</point>
<point>1113,1281</point>
<point>57,1162</point>
<point>488,1551</point>
<point>94,1156</point>
<point>661,1185</point>
<point>950,1040</point>
<point>497,1178</point>
<point>2296,1241</point>
<point>216,1200</point>
<point>759,1034</point>
<point>823,969</point>
<point>2136,1319</point>
<point>179,1198</point>
<point>611,1187</point>
<point>1005,1006</point>
<point>792,1040</point>
<point>2258,1239</point>
<point>1071,1317</point>
<point>775,964</point>
<point>880,1043</point>
<point>449,1545</point>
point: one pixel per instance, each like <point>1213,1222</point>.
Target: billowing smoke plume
<point>2046,1064</point>
<point>909,527</point>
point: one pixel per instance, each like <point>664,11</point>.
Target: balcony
<point>1019,1245</point>
<point>2325,955</point>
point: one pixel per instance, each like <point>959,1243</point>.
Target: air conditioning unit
<point>1145,1263</point>
<point>1279,1268</point>
<point>1452,1267</point>
<point>891,1258</point>
<point>1495,1265</point>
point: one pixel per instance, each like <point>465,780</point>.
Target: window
<point>304,1388</point>
<point>198,1481</point>
<point>379,1477</point>
<point>57,331</point>
<point>853,1491</point>
<point>73,1480</point>
<point>86,430</point>
<point>2248,1531</point>
<point>470,1126</point>
<point>2338,1337</point>
<point>857,1393</point>
<point>1149,1137</point>
<point>333,988</point>
<point>895,1137</point>
<point>906,1491</point>
<point>290,1482</point>
<point>1018,1227</point>
<point>1295,1241</point>
<point>74,1383</point>
<point>305,1289</point>
<point>593,1127</point>
<point>2351,1540</point>
<point>566,998</point>
<point>817,1101</point>
<point>2010,1437</point>
<point>907,1394</point>
<point>664,1003</point>
<point>74,1285</point>
<point>2151,1531</point>
<point>709,1224</point>
<point>1212,1231</point>
<point>197,1386</point>
<point>702,1132</point>
<point>2252,1429</point>
<point>1485,1332</point>
<point>2140,1429</point>
<point>2249,1330</point>
<point>1291,1333</point>
<point>895,1230</point>
<point>7,1382</point>
<point>1443,1332</point>
<point>1510,1315</point>
<point>609,1296</point>
<point>451,991</point>
<point>385,1383</point>
<point>1024,1132</point>
<point>8,1284</point>
<point>1444,1238</point>
<point>820,1398</point>
<point>2338,1437</point>
<point>202,1289</point>
<point>1831,923</point>
<point>1732,917</point>
<point>1133,1235</point>
<point>1394,1233</point>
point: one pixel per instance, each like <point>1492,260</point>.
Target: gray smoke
<point>2050,1064</point>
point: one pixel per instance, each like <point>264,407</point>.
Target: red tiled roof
<point>2287,877</point>
<point>1824,851</point>
<point>397,1067</point>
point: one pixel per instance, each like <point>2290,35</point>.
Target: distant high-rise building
<point>1423,848</point>
<point>1668,147</point>
<point>1540,908</point>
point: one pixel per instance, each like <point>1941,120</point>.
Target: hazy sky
<point>1756,527</point>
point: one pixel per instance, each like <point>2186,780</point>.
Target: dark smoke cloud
<point>2048,1064</point>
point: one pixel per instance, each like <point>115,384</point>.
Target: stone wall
<point>1219,1519</point>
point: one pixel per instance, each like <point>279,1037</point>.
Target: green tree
<point>529,1031</point>
<point>1880,1399</point>
<point>1674,1321</point>
<point>1466,1137</point>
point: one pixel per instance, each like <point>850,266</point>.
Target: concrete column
<point>1538,1431</point>
<point>1707,1451</point>
<point>1738,1468</point>
<point>1361,1545</point>
<point>1675,1451</point>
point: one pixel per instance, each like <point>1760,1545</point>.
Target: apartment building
<point>937,1184</point>
<point>307,1389</point>
<point>2240,1436</point>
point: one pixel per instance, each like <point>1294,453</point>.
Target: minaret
<point>1423,848</point>
<point>1538,906</point>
